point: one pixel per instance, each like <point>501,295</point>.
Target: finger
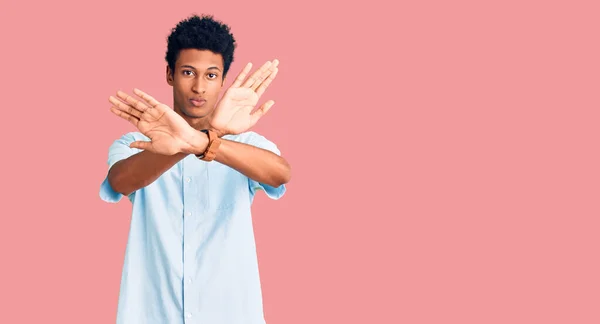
<point>257,75</point>
<point>240,78</point>
<point>124,107</point>
<point>261,111</point>
<point>125,116</point>
<point>263,86</point>
<point>275,64</point>
<point>155,108</point>
<point>132,101</point>
<point>149,99</point>
<point>265,75</point>
<point>142,145</point>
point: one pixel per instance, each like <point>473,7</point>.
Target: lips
<point>197,102</point>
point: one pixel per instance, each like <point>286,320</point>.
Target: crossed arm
<point>172,138</point>
<point>143,168</point>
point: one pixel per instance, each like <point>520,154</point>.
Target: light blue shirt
<point>191,255</point>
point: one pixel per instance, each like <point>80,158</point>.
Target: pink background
<point>444,155</point>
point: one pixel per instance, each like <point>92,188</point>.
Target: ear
<point>169,76</point>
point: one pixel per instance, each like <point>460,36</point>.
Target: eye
<point>188,72</point>
<point>212,75</point>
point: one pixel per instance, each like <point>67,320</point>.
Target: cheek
<point>215,88</point>
<point>178,93</point>
<point>181,87</point>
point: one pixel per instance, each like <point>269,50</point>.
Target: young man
<point>191,173</point>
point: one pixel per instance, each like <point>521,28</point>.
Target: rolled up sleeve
<point>271,192</point>
<point>118,150</point>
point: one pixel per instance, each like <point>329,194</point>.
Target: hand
<point>169,133</point>
<point>233,114</point>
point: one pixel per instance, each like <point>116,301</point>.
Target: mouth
<point>197,102</point>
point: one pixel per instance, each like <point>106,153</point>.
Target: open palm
<point>169,133</point>
<point>233,114</point>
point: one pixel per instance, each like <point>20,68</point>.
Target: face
<point>196,81</point>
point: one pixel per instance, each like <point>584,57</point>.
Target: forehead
<point>200,59</point>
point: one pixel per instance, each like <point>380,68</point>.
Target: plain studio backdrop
<point>444,156</point>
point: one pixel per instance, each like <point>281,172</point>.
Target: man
<point>191,173</point>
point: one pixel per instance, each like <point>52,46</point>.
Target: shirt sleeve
<point>272,192</point>
<point>119,150</point>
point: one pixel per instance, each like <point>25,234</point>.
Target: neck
<point>197,123</point>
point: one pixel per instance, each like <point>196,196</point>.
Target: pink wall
<point>444,156</point>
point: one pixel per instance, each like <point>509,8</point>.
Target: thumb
<point>142,145</point>
<point>263,109</point>
<point>261,112</point>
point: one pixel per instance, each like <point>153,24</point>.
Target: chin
<point>196,112</point>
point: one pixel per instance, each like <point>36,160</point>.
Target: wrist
<point>212,147</point>
<point>220,133</point>
<point>198,143</point>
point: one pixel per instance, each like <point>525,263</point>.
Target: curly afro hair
<point>203,33</point>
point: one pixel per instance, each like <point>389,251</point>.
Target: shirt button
<point>188,179</point>
<point>188,315</point>
<point>189,281</point>
<point>188,214</point>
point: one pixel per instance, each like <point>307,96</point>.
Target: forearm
<point>140,170</point>
<point>256,163</point>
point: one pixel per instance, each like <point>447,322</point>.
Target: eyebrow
<point>193,68</point>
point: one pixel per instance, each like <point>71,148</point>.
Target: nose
<point>199,86</point>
